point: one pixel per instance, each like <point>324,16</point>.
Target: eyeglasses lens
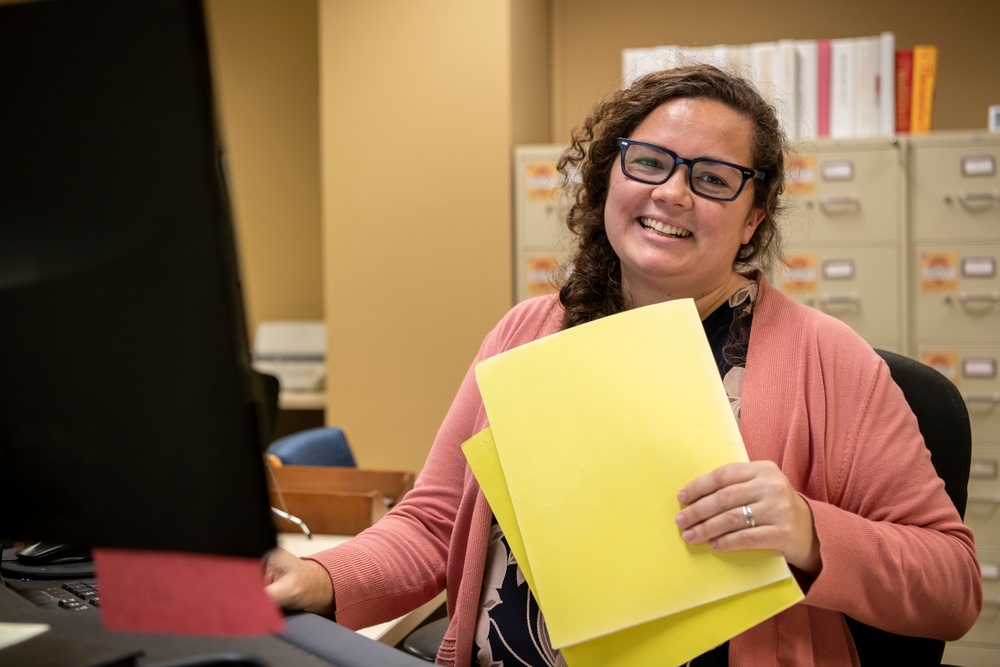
<point>709,178</point>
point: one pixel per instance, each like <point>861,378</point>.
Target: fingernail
<point>680,520</point>
<point>688,535</point>
<point>682,496</point>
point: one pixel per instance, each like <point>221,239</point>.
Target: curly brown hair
<point>593,288</point>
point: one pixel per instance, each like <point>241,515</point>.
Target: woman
<point>679,183</point>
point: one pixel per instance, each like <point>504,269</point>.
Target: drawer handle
<point>975,298</point>
<point>982,398</point>
<point>978,197</point>
<point>840,202</point>
<point>839,299</point>
<point>984,499</point>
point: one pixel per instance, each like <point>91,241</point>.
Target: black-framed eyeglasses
<point>714,179</point>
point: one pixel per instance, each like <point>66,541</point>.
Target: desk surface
<point>390,633</point>
<point>78,639</point>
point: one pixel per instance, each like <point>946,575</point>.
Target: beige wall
<point>589,35</point>
<point>266,61</point>
<point>416,137</point>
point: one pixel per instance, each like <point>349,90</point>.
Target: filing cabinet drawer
<point>976,373</point>
<point>541,203</point>
<point>982,513</point>
<point>984,484</point>
<point>986,631</point>
<point>859,286</point>
<point>955,187</point>
<point>957,292</point>
<point>540,234</point>
<point>845,193</point>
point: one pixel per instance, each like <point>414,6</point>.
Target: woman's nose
<point>676,190</point>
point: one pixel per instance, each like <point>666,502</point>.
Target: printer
<point>294,351</point>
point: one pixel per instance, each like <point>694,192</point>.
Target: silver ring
<point>748,515</point>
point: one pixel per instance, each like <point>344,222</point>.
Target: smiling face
<point>673,243</point>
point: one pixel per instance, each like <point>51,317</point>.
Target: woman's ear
<point>755,217</point>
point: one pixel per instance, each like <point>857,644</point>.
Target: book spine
<point>843,88</point>
<point>806,84</point>
<point>823,88</point>
<point>904,92</point>
<point>885,86</point>
<point>922,95</point>
<point>865,113</point>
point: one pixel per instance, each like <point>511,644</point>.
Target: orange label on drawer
<point>799,275</point>
<point>944,361</point>
<point>938,272</point>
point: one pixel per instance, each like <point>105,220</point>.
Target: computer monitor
<point>128,416</point>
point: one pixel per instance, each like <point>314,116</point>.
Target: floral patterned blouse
<point>510,629</point>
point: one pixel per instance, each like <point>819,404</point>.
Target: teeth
<point>658,226</point>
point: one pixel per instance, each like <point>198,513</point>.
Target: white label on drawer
<point>979,367</point>
<point>979,267</point>
<point>838,269</point>
<point>983,469</point>
<point>979,165</point>
<point>990,570</point>
<point>837,170</point>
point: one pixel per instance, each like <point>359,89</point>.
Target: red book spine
<point>904,82</point>
<point>823,88</point>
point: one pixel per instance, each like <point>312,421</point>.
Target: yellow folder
<point>593,432</point>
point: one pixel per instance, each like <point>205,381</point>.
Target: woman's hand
<point>297,584</point>
<point>750,506</point>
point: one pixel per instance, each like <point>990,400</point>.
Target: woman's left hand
<point>749,506</point>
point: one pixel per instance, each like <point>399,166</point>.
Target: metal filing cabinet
<point>845,232</point>
<point>955,223</point>
<point>540,234</point>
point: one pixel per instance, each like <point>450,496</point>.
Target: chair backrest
<point>268,388</point>
<point>943,419</point>
<point>321,446</point>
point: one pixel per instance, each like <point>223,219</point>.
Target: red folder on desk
<point>184,593</point>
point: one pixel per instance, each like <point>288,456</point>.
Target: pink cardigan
<point>816,400</point>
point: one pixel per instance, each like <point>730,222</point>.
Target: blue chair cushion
<point>321,446</point>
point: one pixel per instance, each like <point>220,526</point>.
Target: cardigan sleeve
<point>822,404</point>
<point>402,561</point>
<point>895,552</point>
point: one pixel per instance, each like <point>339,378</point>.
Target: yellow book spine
<point>922,88</point>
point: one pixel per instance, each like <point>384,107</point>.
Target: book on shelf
<point>823,88</point>
<point>885,89</point>
<point>904,94</point>
<point>784,81</point>
<point>865,82</point>
<point>922,88</point>
<point>840,88</point>
<point>843,87</point>
<point>807,84</point>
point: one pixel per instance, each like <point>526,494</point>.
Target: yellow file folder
<point>593,432</point>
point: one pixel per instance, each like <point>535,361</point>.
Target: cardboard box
<point>335,501</point>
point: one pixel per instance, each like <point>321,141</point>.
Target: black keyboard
<point>73,595</point>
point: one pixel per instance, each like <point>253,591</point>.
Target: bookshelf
<point>845,88</point>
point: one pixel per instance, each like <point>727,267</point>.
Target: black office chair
<point>943,419</point>
<point>267,389</point>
